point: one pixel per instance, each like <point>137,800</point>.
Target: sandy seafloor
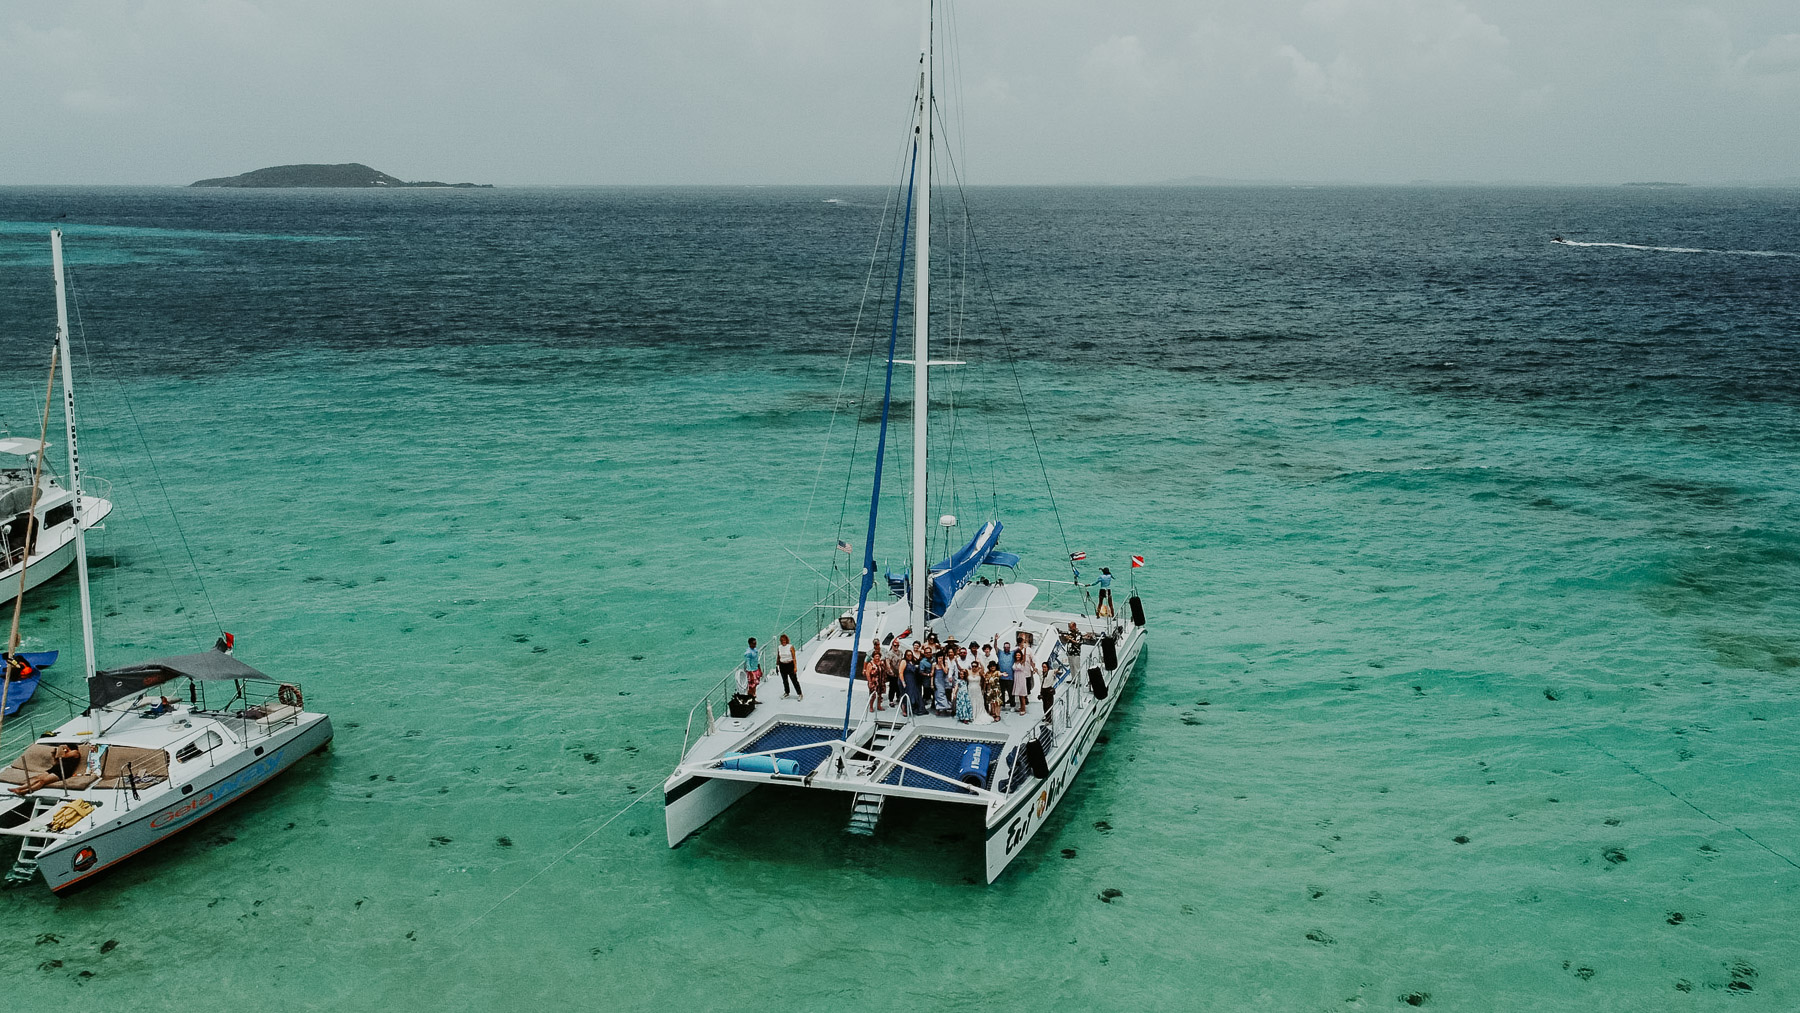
<point>1471,586</point>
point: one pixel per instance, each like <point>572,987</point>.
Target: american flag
<point>1137,561</point>
<point>1076,557</point>
<point>844,546</point>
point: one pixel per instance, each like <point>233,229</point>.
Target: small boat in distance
<point>137,767</point>
<point>1006,763</point>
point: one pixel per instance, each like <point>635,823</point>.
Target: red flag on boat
<point>1137,561</point>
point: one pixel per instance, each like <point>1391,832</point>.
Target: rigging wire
<point>869,363</point>
<point>81,330</point>
<point>837,402</point>
<point>1012,360</point>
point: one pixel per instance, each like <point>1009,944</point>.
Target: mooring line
<point>572,849</point>
<point>1628,765</point>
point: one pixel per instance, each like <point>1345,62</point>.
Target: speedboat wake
<point>1676,249</point>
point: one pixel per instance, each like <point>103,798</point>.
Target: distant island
<point>1655,185</point>
<point>349,174</point>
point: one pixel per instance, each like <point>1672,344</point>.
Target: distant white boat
<point>1009,773</point>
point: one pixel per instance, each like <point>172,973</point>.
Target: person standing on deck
<point>1022,677</point>
<point>991,691</point>
<point>785,663</point>
<point>949,679</point>
<point>967,685</point>
<point>1104,609</point>
<point>896,672</point>
<point>752,669</point>
<point>875,674</point>
<point>909,680</point>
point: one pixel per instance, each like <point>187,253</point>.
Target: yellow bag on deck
<point>68,814</point>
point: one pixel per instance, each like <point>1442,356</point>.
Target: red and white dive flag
<point>1076,557</point>
<point>1137,561</point>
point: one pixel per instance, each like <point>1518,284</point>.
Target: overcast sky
<point>805,91</point>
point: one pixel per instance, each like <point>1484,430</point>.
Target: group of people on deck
<point>976,683</point>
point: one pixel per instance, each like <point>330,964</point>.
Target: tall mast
<point>921,577</point>
<point>68,385</point>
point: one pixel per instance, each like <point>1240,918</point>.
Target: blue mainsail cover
<point>953,573</point>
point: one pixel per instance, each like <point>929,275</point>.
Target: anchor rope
<point>548,866</point>
<point>1628,765</point>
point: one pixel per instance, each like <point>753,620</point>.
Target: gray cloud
<point>773,91</point>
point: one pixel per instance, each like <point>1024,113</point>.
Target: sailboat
<point>837,734</point>
<point>136,766</point>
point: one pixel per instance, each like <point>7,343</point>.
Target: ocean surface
<point>1472,578</point>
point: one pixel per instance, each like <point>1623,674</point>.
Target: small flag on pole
<point>1076,557</point>
<point>844,546</point>
<point>1137,561</point>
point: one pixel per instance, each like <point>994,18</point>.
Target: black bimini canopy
<point>212,666</point>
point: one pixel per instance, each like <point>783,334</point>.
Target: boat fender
<point>975,763</point>
<point>289,694</point>
<point>1034,758</point>
<point>1109,652</point>
<point>1137,611</point>
<point>759,764</point>
<point>1097,682</point>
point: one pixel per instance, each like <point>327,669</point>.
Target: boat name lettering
<point>1019,830</point>
<point>249,776</point>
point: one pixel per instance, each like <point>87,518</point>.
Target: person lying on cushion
<point>65,760</point>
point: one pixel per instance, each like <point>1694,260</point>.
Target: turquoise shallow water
<point>1391,607</point>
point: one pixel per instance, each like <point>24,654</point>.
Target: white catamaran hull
<point>70,861</point>
<point>693,803</point>
<point>1013,827</point>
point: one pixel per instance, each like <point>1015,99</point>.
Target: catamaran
<point>137,767</point>
<point>837,734</point>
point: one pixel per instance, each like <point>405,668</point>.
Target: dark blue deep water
<point>1474,671</point>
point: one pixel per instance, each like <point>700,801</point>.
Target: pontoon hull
<point>1014,826</point>
<point>70,862</point>
<point>692,804</point>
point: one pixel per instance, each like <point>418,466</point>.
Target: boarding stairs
<point>26,865</point>
<point>865,809</point>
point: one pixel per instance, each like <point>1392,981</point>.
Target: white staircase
<point>865,812</point>
<point>865,809</point>
<point>25,866</point>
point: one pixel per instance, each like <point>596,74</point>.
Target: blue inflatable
<point>17,692</point>
<point>759,764</point>
<point>21,690</point>
<point>975,763</point>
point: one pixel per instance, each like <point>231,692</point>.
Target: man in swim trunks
<point>752,669</point>
<point>65,760</point>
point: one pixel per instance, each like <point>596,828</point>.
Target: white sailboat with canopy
<point>136,766</point>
